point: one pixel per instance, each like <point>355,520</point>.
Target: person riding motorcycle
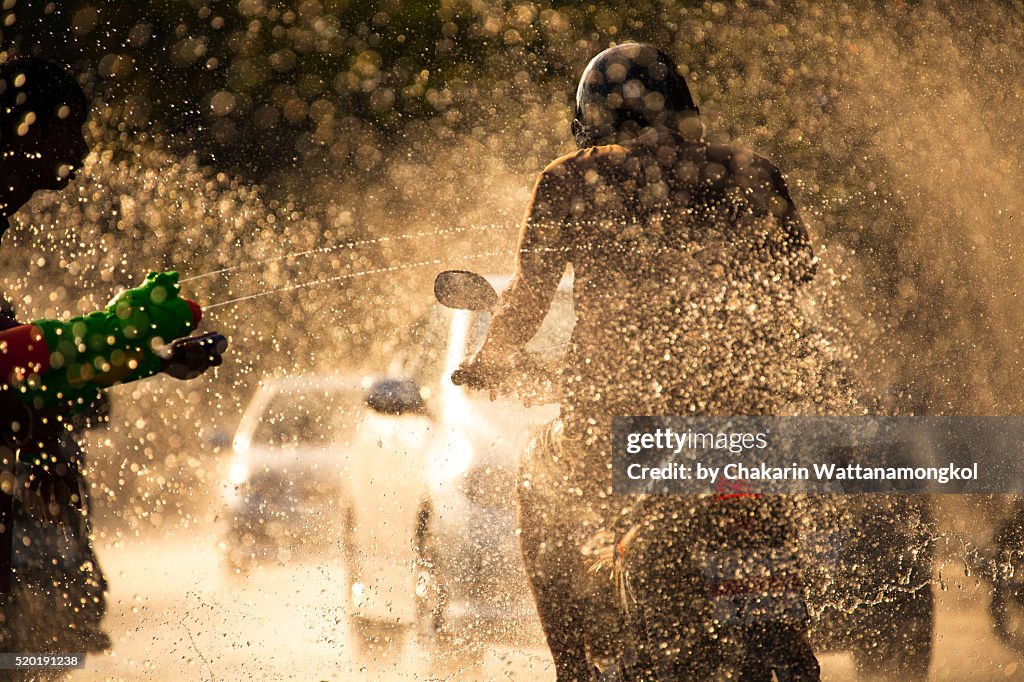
<point>680,249</point>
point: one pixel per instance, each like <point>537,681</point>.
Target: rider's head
<point>42,110</point>
<point>628,90</point>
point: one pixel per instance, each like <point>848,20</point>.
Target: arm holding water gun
<point>143,331</point>
<point>51,370</point>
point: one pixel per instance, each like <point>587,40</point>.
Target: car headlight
<point>239,472</point>
<point>452,460</point>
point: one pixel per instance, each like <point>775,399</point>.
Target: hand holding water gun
<point>141,332</point>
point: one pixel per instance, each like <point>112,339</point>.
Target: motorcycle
<point>740,592</point>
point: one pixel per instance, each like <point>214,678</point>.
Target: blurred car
<point>471,580</point>
<point>415,477</point>
<point>323,461</point>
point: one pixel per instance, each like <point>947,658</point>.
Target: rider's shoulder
<point>738,156</point>
<point>586,158</point>
<point>742,162</point>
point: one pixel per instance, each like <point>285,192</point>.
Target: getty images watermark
<point>767,455</point>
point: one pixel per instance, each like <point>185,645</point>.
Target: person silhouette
<point>54,597</point>
<point>685,255</point>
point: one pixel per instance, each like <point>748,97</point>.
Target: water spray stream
<point>336,247</point>
<point>351,275</point>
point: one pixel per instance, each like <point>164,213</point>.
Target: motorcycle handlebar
<point>526,377</point>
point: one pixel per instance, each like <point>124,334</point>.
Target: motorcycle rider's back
<point>667,239</point>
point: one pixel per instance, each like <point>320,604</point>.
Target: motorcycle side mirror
<point>464,290</point>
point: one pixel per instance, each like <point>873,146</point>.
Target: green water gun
<point>64,364</point>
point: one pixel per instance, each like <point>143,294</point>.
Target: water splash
<point>336,247</point>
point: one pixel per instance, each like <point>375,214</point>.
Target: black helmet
<point>630,87</point>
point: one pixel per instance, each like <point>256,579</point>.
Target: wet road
<point>175,613</point>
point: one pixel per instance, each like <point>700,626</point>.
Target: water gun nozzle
<point>197,312</point>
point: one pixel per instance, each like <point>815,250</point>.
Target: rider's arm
<point>52,363</point>
<point>540,264</point>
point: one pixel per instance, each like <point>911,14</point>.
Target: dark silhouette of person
<point>54,598</point>
<point>685,257</point>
